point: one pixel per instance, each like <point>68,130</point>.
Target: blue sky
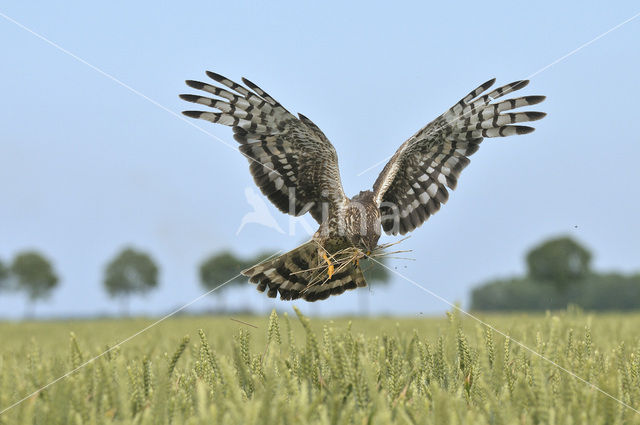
<point>87,166</point>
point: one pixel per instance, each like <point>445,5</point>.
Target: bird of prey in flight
<point>296,167</point>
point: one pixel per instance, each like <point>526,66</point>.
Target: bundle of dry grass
<point>335,263</point>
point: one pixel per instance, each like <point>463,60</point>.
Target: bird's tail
<point>304,273</point>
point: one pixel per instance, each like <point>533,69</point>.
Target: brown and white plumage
<point>288,155</point>
<point>296,167</point>
<point>301,273</point>
<point>414,182</point>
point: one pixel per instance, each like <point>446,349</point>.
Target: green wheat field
<point>291,369</point>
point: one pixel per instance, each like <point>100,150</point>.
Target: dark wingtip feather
<point>215,76</point>
<point>535,116</point>
<point>189,97</point>
<point>517,85</point>
<point>248,82</point>
<point>523,129</point>
<point>195,84</point>
<point>488,84</point>
<point>192,114</point>
<point>533,100</point>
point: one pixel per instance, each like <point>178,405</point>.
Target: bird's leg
<point>329,265</point>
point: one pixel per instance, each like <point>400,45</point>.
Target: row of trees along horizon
<point>134,273</point>
<point>558,273</point>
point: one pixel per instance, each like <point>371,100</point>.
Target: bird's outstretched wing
<point>413,184</point>
<point>291,160</point>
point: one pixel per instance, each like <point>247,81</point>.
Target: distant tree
<point>517,294</point>
<point>596,292</point>
<point>375,274</point>
<point>223,266</point>
<point>608,291</point>
<point>220,268</point>
<point>4,276</point>
<point>559,274</point>
<point>130,272</point>
<point>560,261</point>
<point>33,275</point>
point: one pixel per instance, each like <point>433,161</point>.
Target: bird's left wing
<point>413,184</point>
<point>291,160</point>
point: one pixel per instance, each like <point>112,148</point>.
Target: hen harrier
<point>296,167</point>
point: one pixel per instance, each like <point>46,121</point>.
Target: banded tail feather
<point>302,273</point>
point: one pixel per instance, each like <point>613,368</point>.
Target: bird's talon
<point>330,267</point>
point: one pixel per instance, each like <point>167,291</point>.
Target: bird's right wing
<point>291,160</point>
